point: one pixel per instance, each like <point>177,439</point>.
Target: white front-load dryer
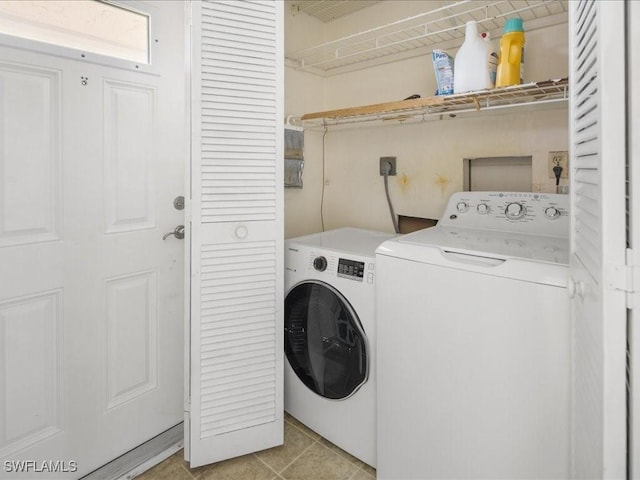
<point>329,336</point>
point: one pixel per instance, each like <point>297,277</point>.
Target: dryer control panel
<point>523,212</point>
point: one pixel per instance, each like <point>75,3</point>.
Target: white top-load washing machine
<point>474,342</point>
<point>329,336</point>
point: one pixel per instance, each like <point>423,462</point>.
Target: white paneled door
<point>91,296</point>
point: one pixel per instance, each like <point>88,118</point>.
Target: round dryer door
<point>324,341</point>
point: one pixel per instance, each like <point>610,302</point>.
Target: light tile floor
<point>305,455</point>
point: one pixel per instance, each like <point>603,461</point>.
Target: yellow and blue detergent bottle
<point>511,62</point>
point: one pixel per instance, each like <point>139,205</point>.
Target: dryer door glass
<point>324,341</point>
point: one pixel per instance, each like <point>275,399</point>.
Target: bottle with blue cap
<point>511,62</point>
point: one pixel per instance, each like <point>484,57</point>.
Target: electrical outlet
<point>559,159</point>
<point>384,161</point>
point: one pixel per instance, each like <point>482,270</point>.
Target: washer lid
<point>518,235</point>
<point>503,245</point>
<point>531,258</point>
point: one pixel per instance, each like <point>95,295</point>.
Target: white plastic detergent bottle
<point>471,68</point>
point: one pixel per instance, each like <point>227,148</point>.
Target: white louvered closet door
<point>236,232</point>
<point>598,238</point>
<point>633,29</point>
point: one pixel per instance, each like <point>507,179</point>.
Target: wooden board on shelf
<point>529,93</point>
<point>388,107</point>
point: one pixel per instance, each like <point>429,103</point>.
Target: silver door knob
<point>178,232</point>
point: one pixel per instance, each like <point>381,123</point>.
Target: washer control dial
<point>515,211</point>
<point>462,207</point>
<point>320,264</point>
<point>482,208</point>
<point>551,212</point>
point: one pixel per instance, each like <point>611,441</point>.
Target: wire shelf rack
<point>536,94</point>
<point>441,26</point>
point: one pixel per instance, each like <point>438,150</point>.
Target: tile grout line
<point>278,474</point>
<point>313,440</point>
<point>184,467</point>
<point>344,454</point>
<point>265,463</point>
<point>361,468</point>
<point>305,433</point>
<point>296,458</point>
<point>358,467</point>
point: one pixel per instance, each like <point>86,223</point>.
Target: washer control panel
<point>524,212</point>
<point>326,263</point>
<point>350,269</point>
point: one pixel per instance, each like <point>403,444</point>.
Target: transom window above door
<point>85,25</point>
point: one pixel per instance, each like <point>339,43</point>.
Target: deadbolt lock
<point>178,203</point>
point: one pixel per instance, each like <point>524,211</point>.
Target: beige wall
<point>429,155</point>
<point>304,92</point>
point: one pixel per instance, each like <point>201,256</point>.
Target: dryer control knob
<point>320,264</point>
<point>462,207</point>
<point>551,212</point>
<point>515,211</point>
<point>482,208</point>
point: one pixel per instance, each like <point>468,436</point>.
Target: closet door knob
<point>241,232</point>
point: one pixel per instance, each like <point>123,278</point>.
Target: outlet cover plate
<point>560,158</point>
<point>392,161</point>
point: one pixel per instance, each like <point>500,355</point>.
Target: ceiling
<point>328,10</point>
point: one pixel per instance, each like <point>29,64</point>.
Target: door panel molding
<point>129,150</point>
<point>30,156</point>
<point>31,379</point>
<point>132,336</point>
